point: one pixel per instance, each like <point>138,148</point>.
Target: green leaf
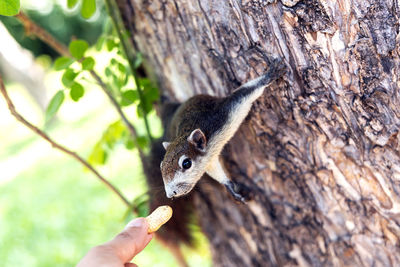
<point>69,77</point>
<point>54,104</point>
<point>138,60</point>
<point>142,141</point>
<point>77,48</point>
<point>128,97</point>
<point>121,81</point>
<point>150,92</point>
<point>88,8</point>
<point>150,95</point>
<point>77,91</point>
<point>114,133</point>
<point>98,156</point>
<point>113,61</point>
<point>153,94</point>
<point>139,110</point>
<point>71,3</point>
<point>100,42</point>
<point>141,204</point>
<point>108,72</point>
<point>126,78</point>
<point>121,68</point>
<point>111,44</point>
<point>62,63</point>
<point>88,63</point>
<point>116,80</point>
<point>9,7</point>
<point>143,208</point>
<point>129,144</point>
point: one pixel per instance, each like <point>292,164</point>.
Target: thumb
<point>131,240</point>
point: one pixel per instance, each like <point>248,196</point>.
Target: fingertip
<point>149,238</point>
<point>138,222</point>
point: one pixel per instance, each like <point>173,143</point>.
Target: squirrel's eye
<point>187,163</point>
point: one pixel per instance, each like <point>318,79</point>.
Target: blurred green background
<point>52,210</point>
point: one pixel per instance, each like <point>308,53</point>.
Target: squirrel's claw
<point>233,189</point>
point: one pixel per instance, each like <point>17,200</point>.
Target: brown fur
<point>180,146</point>
<point>211,120</point>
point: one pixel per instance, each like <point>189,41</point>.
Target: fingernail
<point>138,222</point>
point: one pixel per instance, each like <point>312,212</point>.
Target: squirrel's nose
<point>171,194</point>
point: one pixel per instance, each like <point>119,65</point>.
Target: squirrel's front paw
<point>238,191</point>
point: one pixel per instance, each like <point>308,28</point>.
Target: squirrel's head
<point>182,166</point>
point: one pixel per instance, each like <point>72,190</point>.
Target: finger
<point>100,256</point>
<point>131,240</point>
<point>130,264</point>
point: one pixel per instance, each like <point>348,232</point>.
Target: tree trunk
<point>320,149</point>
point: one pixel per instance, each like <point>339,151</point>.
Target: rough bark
<point>320,149</point>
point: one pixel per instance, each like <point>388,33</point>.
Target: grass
<point>51,209</point>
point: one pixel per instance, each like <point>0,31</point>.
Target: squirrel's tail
<point>256,86</point>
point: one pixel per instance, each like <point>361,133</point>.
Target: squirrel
<point>200,128</point>
<point>195,133</point>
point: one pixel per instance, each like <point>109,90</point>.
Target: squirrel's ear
<point>165,144</point>
<point>198,139</point>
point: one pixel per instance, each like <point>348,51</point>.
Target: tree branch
<point>32,28</point>
<point>127,49</point>
<point>114,102</point>
<point>39,132</point>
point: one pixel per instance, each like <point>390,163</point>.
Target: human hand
<point>121,250</point>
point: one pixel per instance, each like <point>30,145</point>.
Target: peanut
<point>158,217</point>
